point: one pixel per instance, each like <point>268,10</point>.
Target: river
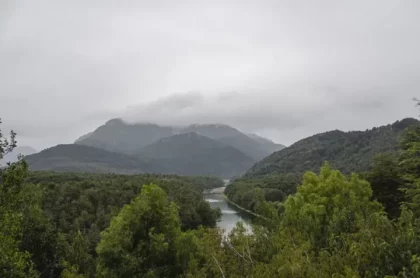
<point>230,214</point>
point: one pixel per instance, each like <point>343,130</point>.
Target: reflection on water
<point>230,214</point>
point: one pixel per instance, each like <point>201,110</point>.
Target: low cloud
<point>283,69</point>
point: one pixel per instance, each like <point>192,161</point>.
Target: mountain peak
<point>116,121</point>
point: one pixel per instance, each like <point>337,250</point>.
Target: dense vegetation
<point>50,223</point>
<point>250,192</point>
<point>347,151</point>
<point>372,153</point>
<point>331,225</point>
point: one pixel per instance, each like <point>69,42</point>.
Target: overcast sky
<point>282,69</point>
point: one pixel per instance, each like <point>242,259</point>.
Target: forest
<point>332,224</point>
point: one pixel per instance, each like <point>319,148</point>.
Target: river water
<point>230,214</point>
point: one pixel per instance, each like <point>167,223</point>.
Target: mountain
<point>119,136</point>
<point>346,151</point>
<point>267,143</point>
<point>194,154</point>
<point>182,154</point>
<point>79,158</point>
<point>214,131</point>
<point>83,137</point>
<point>233,137</point>
<point>13,156</point>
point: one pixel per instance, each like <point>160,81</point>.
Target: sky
<point>281,69</point>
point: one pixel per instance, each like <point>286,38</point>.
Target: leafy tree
<point>141,239</point>
<point>78,262</point>
<point>410,165</point>
<point>13,261</point>
<point>328,205</point>
<point>386,182</point>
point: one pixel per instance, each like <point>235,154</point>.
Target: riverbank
<point>243,209</point>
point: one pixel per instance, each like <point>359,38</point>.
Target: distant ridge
<point>346,151</point>
<point>79,158</point>
<point>129,138</point>
<point>193,154</point>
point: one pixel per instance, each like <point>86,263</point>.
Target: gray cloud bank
<point>284,69</point>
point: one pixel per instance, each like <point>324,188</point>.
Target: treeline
<point>250,192</point>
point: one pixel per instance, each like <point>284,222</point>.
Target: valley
<point>171,201</point>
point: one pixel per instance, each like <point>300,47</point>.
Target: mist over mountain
<point>130,148</point>
<point>120,147</point>
<point>116,135</point>
<point>129,138</point>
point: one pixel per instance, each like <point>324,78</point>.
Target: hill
<point>346,151</point>
<point>119,136</point>
<point>79,158</point>
<point>254,148</point>
<point>193,154</point>
<point>182,154</point>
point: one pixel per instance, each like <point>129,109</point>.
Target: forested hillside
<point>278,175</point>
<point>183,154</point>
<point>79,158</point>
<point>346,151</point>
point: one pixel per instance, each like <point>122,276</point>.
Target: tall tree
<point>13,200</point>
<point>141,239</point>
<point>386,182</point>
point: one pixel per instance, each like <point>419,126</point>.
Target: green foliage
<point>410,165</point>
<point>106,225</point>
<point>14,201</point>
<point>386,182</point>
<point>328,205</point>
<point>275,188</point>
<point>346,151</point>
<point>141,239</point>
<point>86,202</point>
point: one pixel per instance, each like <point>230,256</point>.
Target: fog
<point>282,69</point>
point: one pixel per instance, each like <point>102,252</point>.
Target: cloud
<point>285,69</point>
